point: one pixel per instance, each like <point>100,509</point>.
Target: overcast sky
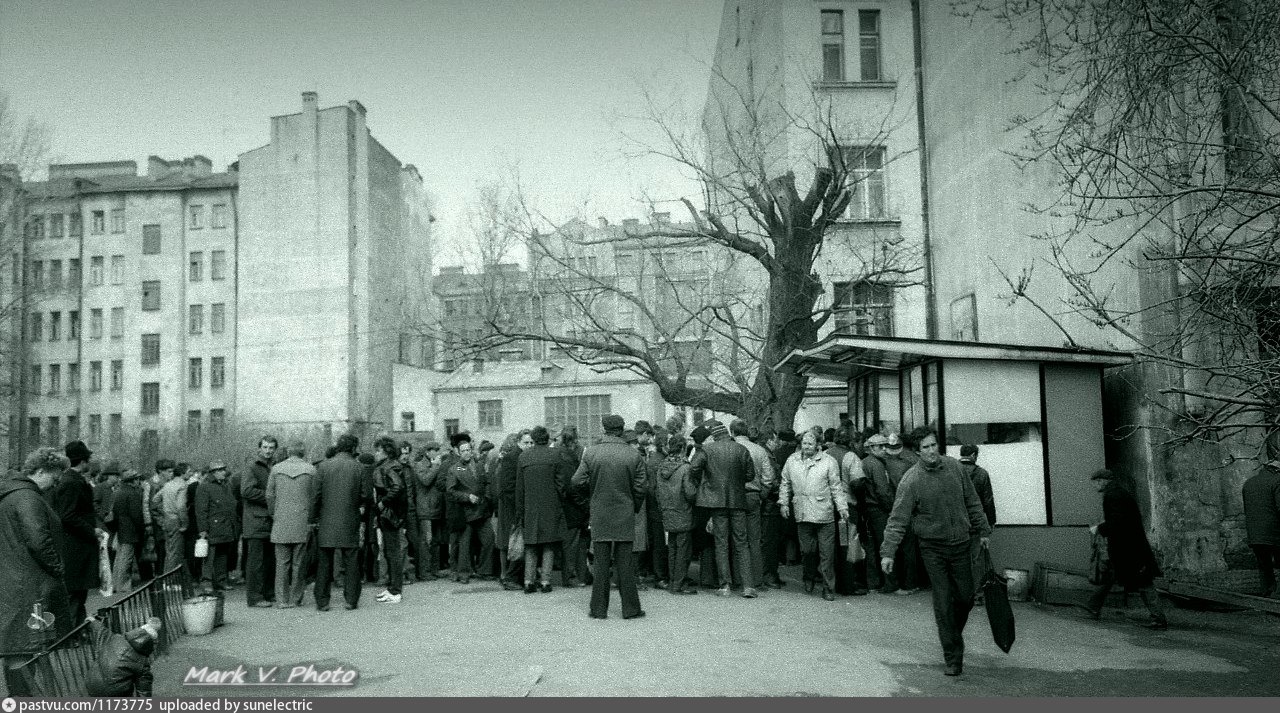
<point>459,88</point>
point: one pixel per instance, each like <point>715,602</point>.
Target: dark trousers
<point>876,521</point>
<point>908,563</point>
<point>214,568</point>
<point>394,559</point>
<point>350,575</point>
<point>426,561</point>
<point>817,552</point>
<point>1148,593</point>
<point>440,533</point>
<point>577,542</point>
<point>611,554</point>
<point>729,524</point>
<point>950,569</point>
<point>460,546</point>
<point>679,553</point>
<point>189,552</point>
<point>260,571</point>
<point>657,540</point>
<point>770,540</point>
<point>755,558</point>
<point>1268,562</point>
<point>77,598</point>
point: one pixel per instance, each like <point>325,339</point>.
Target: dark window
<point>98,226</point>
<point>195,319</point>
<point>865,173</point>
<point>217,372</point>
<point>150,240</point>
<point>150,349</point>
<point>218,265</point>
<point>451,427</point>
<point>151,295</point>
<point>95,376</point>
<point>115,433</point>
<point>490,413</point>
<point>217,318</point>
<point>195,266</point>
<point>864,308</point>
<point>195,373</point>
<point>193,425</point>
<point>218,420</point>
<point>869,44</point>
<point>151,397</point>
<point>73,324</point>
<point>117,374</point>
<point>832,45</point>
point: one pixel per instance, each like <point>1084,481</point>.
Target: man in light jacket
<point>174,516</point>
<point>811,487</point>
<point>291,499</point>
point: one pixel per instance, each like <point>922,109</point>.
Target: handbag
<point>1099,561</point>
<point>515,543</point>
<point>999,612</point>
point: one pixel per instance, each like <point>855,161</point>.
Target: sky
<point>466,91</point>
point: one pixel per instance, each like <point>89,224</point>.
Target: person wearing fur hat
<point>123,668</point>
<point>72,500</point>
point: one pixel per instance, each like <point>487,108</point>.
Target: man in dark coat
<point>910,565</point>
<point>72,500</point>
<point>1133,564</point>
<point>260,562</point>
<point>982,484</point>
<point>877,491</point>
<point>722,470</point>
<point>31,577</point>
<point>503,489</point>
<point>392,503</point>
<point>654,561</point>
<point>342,494</point>
<point>1262,523</point>
<point>541,483</point>
<point>614,476</point>
<point>467,507</point>
<point>131,529</point>
<point>429,498</point>
<point>576,515</point>
<point>216,521</point>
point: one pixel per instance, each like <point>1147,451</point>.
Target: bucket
<point>198,614</point>
<point>1018,581</point>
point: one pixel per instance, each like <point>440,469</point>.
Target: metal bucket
<point>198,615</point>
<point>1019,583</point>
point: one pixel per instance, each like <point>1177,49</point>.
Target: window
<point>117,220</point>
<point>74,273</point>
<point>869,45</point>
<point>95,429</point>
<point>35,380</point>
<point>55,274</point>
<point>55,379</point>
<point>196,213</point>
<point>75,225</point>
<point>117,269</point>
<point>151,295</point>
<point>150,349</point>
<point>218,218</point>
<point>151,240</point>
<point>95,376</point>
<point>37,275</point>
<point>195,319</point>
<point>73,324</point>
<point>195,266</point>
<point>864,308</point>
<point>55,225</point>
<point>151,397</point>
<point>864,166</point>
<point>584,412</point>
<point>98,224</point>
<point>117,374</point>
<point>95,323</point>
<point>452,427</point>
<point>35,227</point>
<point>73,428</point>
<point>117,322</point>
<point>33,431</point>
<point>36,327</point>
<point>55,326</point>
<point>217,372</point>
<point>116,426</point>
<point>407,422</point>
<point>73,378</point>
<point>218,420</point>
<point>195,373</point>
<point>832,45</point>
<point>53,432</point>
<point>217,318</point>
<point>95,270</point>
<point>490,414</point>
<point>193,425</point>
<point>218,265</point>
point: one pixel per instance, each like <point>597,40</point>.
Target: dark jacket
<point>428,485</point>
<point>193,527</point>
<point>341,490</point>
<point>1262,507</point>
<point>503,490</point>
<point>32,571</point>
<point>390,493</point>
<point>879,491</point>
<point>614,475</point>
<point>722,470</point>
<point>465,480</point>
<point>72,500</point>
<point>577,502</point>
<point>897,466</point>
<point>127,507</point>
<point>216,511</point>
<point>123,667</point>
<point>542,479</point>
<point>677,494</point>
<point>104,495</point>
<point>938,503</point>
<point>982,483</point>
<point>253,496</point>
<point>1132,560</point>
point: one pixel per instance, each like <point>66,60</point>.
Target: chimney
<point>198,165</point>
<point>604,222</point>
<point>156,166</point>
<point>357,107</point>
<point>309,100</point>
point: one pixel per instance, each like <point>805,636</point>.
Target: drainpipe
<point>931,295</point>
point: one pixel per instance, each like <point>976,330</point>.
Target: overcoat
<point>72,501</point>
<point>1262,507</point>
<point>542,479</point>
<point>676,494</point>
<point>216,511</point>
<point>464,480</point>
<point>253,495</point>
<point>614,475</point>
<point>341,489</point>
<point>722,469</point>
<point>127,506</point>
<point>504,492</point>
<point>291,496</point>
<point>32,568</point>
<point>429,484</point>
<point>576,502</point>
<point>1132,561</point>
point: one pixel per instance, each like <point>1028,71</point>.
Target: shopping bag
<point>999,612</point>
<point>106,586</point>
<point>1099,561</point>
<point>515,543</point>
<point>856,553</point>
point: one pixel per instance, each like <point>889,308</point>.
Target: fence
<point>62,669</point>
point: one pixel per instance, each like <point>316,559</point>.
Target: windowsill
<point>820,84</point>
<point>869,221</point>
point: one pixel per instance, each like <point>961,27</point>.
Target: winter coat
<point>193,527</point>
<point>130,526</point>
<point>811,487</point>
<point>764,475</point>
<point>104,495</point>
<point>216,511</point>
<point>253,497</point>
<point>429,490</point>
<point>677,494</point>
<point>72,501</point>
<point>541,483</point>
<point>577,502</point>
<point>879,491</point>
<point>341,490</point>
<point>291,500</point>
<point>390,493</point>
<point>722,470</point>
<point>32,570</point>
<point>123,667</point>
<point>897,466</point>
<point>938,503</point>
<point>982,484</point>
<point>173,505</point>
<point>1132,561</point>
<point>614,475</point>
<point>1262,507</point>
<point>504,491</point>
<point>465,480</point>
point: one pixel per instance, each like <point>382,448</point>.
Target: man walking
<point>72,501</point>
<point>341,497</point>
<point>722,469</point>
<point>1262,523</point>
<point>810,484</point>
<point>614,475</point>
<point>938,503</point>
<point>762,481</point>
<point>291,494</point>
<point>260,565</point>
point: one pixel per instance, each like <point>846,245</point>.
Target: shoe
<point>348,606</point>
<point>723,591</point>
<point>264,604</point>
<point>750,593</point>
<point>322,608</point>
<point>510,586</point>
<point>827,595</point>
<point>809,586</point>
<point>954,669</point>
<point>905,592</point>
<point>466,579</point>
<point>286,605</point>
<point>683,591</point>
<point>637,615</point>
<point>599,616</point>
<point>1157,625</point>
<point>662,584</point>
<point>384,593</point>
<point>546,588</point>
<point>391,599</point>
<point>859,592</point>
<point>581,584</point>
<point>887,590</point>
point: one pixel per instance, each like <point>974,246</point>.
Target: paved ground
<point>446,639</point>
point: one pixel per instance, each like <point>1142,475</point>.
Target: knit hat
<point>700,434</point>
<point>77,451</point>
<point>717,429</point>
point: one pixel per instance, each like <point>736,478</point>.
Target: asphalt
<point>448,639</point>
